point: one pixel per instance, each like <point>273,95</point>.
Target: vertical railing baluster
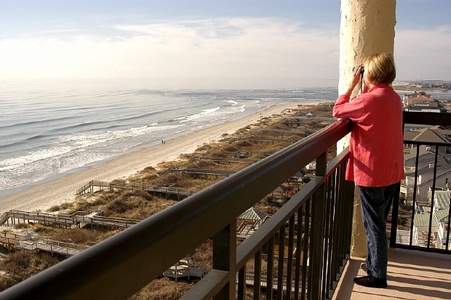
<point>394,216</point>
<point>327,258</point>
<point>224,258</point>
<point>280,267</point>
<point>432,198</point>
<point>349,194</point>
<point>317,237</point>
<point>446,229</point>
<point>334,245</point>
<point>306,250</point>
<point>270,269</point>
<point>297,258</point>
<point>258,274</point>
<point>417,158</point>
<point>242,283</point>
<point>339,226</point>
<point>289,271</point>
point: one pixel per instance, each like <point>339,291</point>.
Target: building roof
<point>446,132</point>
<point>420,98</point>
<point>252,214</point>
<point>442,215</point>
<point>422,220</point>
<point>441,171</point>
<point>441,199</point>
<point>410,153</point>
<point>425,160</point>
<point>429,135</point>
<point>410,135</point>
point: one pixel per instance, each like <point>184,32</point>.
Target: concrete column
<point>367,27</point>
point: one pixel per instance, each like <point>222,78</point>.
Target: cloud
<point>423,53</point>
<point>222,52</point>
<point>230,48</point>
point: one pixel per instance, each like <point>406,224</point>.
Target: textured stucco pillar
<point>367,27</point>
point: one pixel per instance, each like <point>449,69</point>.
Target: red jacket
<point>376,146</point>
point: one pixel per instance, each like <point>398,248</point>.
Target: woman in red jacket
<point>376,163</point>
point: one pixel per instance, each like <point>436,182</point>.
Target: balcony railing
<point>421,220</point>
<point>306,243</point>
<point>299,252</point>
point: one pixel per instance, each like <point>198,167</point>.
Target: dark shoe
<point>370,281</point>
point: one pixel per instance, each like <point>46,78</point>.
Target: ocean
<point>52,128</point>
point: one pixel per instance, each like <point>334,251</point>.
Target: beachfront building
<point>420,102</point>
<point>423,168</point>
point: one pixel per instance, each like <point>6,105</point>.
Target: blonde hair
<point>380,68</point>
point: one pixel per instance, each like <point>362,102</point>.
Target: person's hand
<point>356,76</point>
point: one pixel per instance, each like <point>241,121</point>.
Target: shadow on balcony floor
<point>411,275</point>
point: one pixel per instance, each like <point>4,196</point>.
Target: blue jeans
<point>376,203</point>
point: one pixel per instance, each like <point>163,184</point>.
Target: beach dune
<point>42,196</point>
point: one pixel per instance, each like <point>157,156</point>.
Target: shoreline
<point>41,197</point>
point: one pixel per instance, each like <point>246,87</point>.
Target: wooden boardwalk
<point>260,140</point>
<point>223,160</point>
<point>96,185</point>
<point>200,172</point>
<point>78,219</point>
<point>26,241</point>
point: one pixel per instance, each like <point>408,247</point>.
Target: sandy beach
<point>62,190</point>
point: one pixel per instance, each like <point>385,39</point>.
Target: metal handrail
<point>121,265</point>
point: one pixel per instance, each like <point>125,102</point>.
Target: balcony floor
<point>411,275</point>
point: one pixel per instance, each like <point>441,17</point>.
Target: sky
<point>207,43</point>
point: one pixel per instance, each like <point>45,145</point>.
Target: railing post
<point>394,218</point>
<point>317,233</point>
<point>224,258</point>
